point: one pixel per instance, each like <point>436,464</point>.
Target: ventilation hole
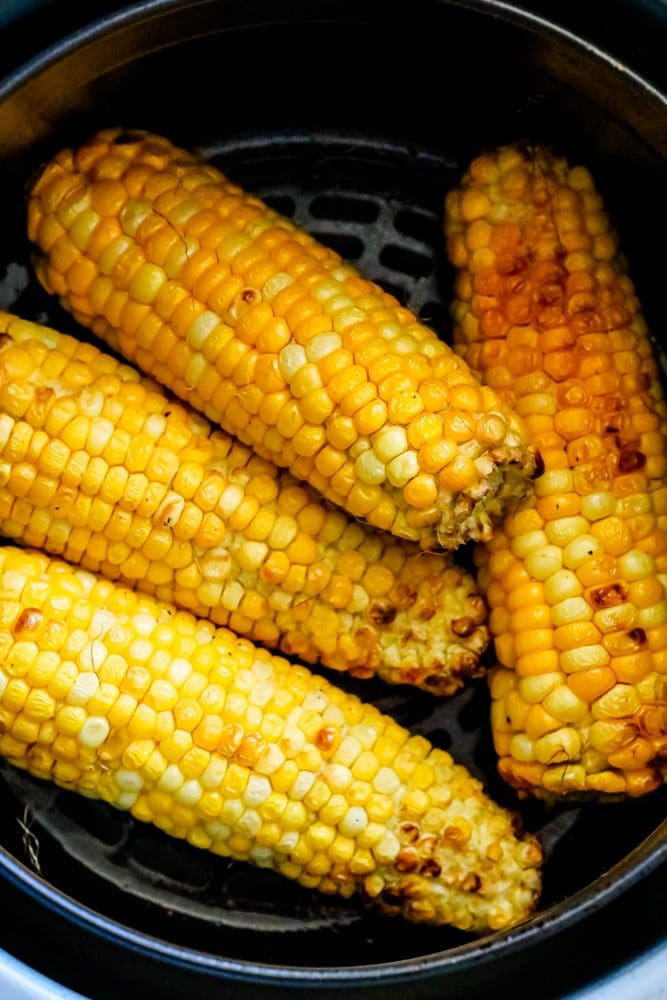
<point>94,818</point>
<point>349,247</point>
<point>169,864</point>
<point>439,738</point>
<point>344,209</point>
<point>420,226</point>
<point>281,203</point>
<point>435,315</point>
<point>406,261</point>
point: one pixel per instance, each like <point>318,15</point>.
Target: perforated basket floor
<point>379,203</point>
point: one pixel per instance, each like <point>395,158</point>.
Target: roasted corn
<point>98,466</point>
<point>546,314</point>
<point>270,335</point>
<point>122,698</point>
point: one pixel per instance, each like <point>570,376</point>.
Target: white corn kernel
<point>99,435</point>
<point>171,779</point>
<point>250,555</point>
<point>269,760</point>
<point>84,687</point>
<point>303,783</point>
<point>257,790</point>
<point>93,656</point>
<point>94,731</point>
<point>91,401</point>
<point>403,468</point>
<point>325,289</point>
<point>561,586</point>
<point>572,609</point>
<point>521,748</point>
<point>636,564</point>
<point>179,671</point>
<point>564,530</point>
<point>200,328</point>
<point>369,468</point>
<point>155,425</point>
<point>386,781</point>
<point>229,500</point>
<point>338,777</point>
<point>232,595</point>
<point>390,442</point>
<point>595,506</point>
<point>387,849</point>
<point>543,563</point>
<point>322,345</point>
<point>528,542</point>
<point>290,360</point>
<point>261,694</point>
<point>126,800</point>
<point>214,773</point>
<point>194,371</point>
<point>581,549</point>
<point>249,823</point>
<point>189,793</point>
<point>354,821</point>
<point>128,781</point>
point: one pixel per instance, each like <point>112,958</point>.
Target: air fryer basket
<point>393,121</point>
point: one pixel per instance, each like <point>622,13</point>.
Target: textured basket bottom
<point>378,203</point>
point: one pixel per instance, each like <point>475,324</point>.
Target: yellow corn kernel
<point>592,406</point>
<point>199,520</point>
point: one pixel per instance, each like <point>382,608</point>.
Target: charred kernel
<point>546,314</point>
<point>28,621</point>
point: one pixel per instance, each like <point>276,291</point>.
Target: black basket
<point>366,171</point>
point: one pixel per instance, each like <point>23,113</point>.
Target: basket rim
<point>638,864</point>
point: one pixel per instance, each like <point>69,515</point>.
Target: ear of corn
<point>274,338</point>
<point>546,314</point>
<point>119,697</point>
<point>98,466</point>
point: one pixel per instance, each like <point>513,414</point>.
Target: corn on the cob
<point>274,338</point>
<point>98,466</point>
<point>547,315</point>
<point>120,697</point>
